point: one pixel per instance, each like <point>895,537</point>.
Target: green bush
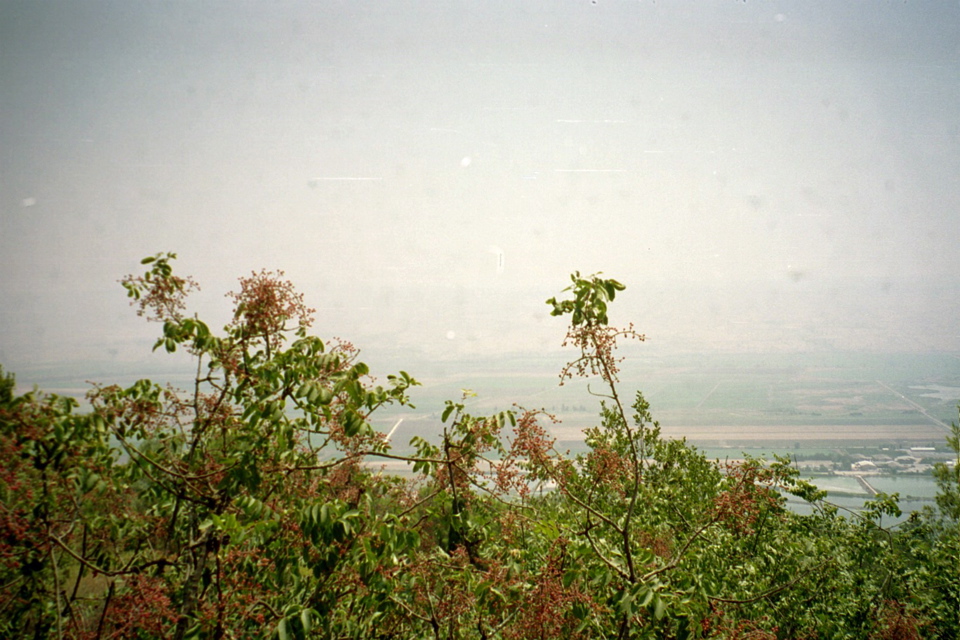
<point>243,508</point>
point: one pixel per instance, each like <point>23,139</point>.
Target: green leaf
<point>193,633</point>
<point>625,603</point>
<point>659,608</point>
<point>324,396</point>
<point>306,620</point>
<point>482,588</point>
<point>647,596</point>
<point>282,629</point>
<point>355,391</point>
<point>643,556</point>
<point>352,424</point>
<point>610,289</point>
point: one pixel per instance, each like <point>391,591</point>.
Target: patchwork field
<point>779,401</point>
<point>739,401</point>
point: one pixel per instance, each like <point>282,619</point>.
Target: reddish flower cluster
<point>531,442</point>
<point>897,624</point>
<point>345,481</point>
<point>15,491</point>
<point>597,344</point>
<point>15,530</point>
<point>265,304</point>
<point>438,595</point>
<point>528,448</point>
<point>146,414</point>
<point>610,468</point>
<point>718,625</point>
<point>161,299</point>
<point>548,612</point>
<point>142,608</point>
<point>753,489</point>
<point>241,570</point>
<point>660,545</point>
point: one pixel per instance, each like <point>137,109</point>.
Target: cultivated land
<point>783,437</point>
<point>824,409</point>
<point>781,402</point>
<point>769,402</point>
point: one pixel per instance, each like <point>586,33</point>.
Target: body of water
<point>916,491</point>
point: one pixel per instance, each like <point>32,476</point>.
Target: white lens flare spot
<point>451,335</point>
<point>466,161</point>
<point>497,251</point>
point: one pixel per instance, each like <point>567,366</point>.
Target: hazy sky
<point>762,175</point>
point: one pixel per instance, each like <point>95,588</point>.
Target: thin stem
<point>106,607</point>
<point>80,570</point>
<point>266,605</point>
<point>610,378</point>
<point>602,557</point>
<point>56,592</point>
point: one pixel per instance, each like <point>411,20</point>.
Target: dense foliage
<point>245,508</point>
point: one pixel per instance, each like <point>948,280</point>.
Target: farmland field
<point>761,402</point>
<point>772,402</point>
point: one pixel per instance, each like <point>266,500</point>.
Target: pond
<point>846,492</point>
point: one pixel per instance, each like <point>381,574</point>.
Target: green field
<point>726,402</point>
<point>782,402</point>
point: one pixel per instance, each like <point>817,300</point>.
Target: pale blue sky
<point>762,175</point>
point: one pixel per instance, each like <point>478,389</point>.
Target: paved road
<point>937,421</point>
